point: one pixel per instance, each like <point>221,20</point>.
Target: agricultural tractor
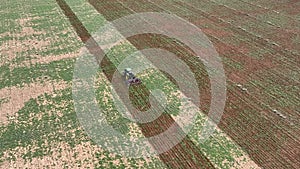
<point>130,77</point>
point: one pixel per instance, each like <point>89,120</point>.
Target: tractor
<point>130,77</point>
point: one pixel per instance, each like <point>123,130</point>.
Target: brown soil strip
<point>246,130</point>
<point>177,157</point>
<point>267,147</point>
<point>274,49</point>
<point>290,7</point>
<point>236,101</point>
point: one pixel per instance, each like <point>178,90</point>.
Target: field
<point>45,44</point>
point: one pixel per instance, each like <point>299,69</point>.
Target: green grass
<point>37,124</point>
<point>4,100</point>
<point>58,70</point>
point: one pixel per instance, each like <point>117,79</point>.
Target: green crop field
<point>41,42</point>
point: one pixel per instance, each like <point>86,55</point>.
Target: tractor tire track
<point>262,156</point>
